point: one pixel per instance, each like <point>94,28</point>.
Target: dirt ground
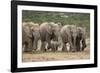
<point>56,56</point>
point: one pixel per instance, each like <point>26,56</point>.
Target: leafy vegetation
<point>79,19</point>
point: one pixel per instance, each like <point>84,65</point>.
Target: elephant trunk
<point>74,44</point>
<point>74,40</point>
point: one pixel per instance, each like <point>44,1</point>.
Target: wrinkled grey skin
<point>30,36</point>
<point>35,36</point>
<point>68,35</point>
<point>48,32</point>
<point>74,36</point>
<point>26,39</point>
<point>81,39</point>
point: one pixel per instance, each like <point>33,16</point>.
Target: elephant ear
<point>45,27</point>
<point>79,31</point>
<point>72,28</point>
<point>84,32</point>
<point>49,30</point>
<point>26,29</point>
<point>51,27</point>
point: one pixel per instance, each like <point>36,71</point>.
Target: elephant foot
<point>26,51</point>
<point>83,48</point>
<point>53,50</point>
<point>43,50</point>
<point>78,50</point>
<point>64,50</point>
<point>35,49</point>
<point>48,47</point>
<point>73,50</point>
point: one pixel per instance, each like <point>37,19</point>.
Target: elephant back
<point>45,27</point>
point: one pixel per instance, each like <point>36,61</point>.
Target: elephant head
<point>55,31</point>
<point>26,37</point>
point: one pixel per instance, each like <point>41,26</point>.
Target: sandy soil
<point>55,56</point>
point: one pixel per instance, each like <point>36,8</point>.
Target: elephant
<point>48,31</point>
<point>72,35</point>
<point>35,36</point>
<point>81,39</point>
<point>68,35</point>
<point>30,36</point>
<point>26,38</point>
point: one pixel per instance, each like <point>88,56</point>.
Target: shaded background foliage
<point>78,19</point>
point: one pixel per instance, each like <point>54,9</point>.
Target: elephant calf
<point>54,45</point>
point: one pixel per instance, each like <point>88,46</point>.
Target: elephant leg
<point>49,44</point>
<point>53,49</point>
<point>83,44</point>
<point>70,41</point>
<point>29,45</point>
<point>43,46</point>
<point>78,44</point>
<point>78,47</point>
<point>72,49</point>
<point>35,44</point>
<point>25,46</point>
<point>64,47</point>
<point>56,48</point>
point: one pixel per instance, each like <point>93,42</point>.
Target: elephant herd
<point>52,35</point>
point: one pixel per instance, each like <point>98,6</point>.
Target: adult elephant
<point>81,39</point>
<point>48,32</point>
<point>68,35</point>
<point>26,38</point>
<point>35,36</point>
<point>74,36</point>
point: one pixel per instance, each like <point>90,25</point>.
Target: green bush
<point>79,19</point>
